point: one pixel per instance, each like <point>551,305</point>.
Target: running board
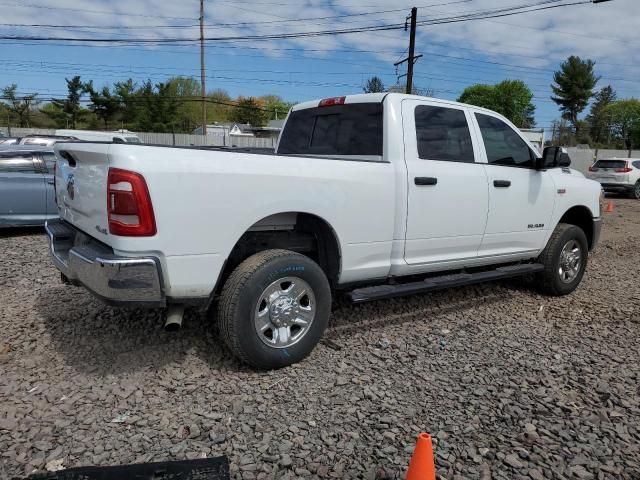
<point>379,292</point>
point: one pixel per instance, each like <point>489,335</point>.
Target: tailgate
<point>81,186</point>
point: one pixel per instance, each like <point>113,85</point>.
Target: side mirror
<point>554,157</point>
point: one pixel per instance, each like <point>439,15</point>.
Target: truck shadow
<point>100,340</point>
<point>7,232</point>
<point>348,319</point>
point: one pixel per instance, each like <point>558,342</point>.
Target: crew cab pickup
<point>375,195</point>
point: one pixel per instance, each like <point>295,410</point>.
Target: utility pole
<point>412,46</point>
<point>411,59</point>
<point>202,79</point>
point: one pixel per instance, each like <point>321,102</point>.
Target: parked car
<point>375,195</point>
<point>45,140</point>
<point>617,175</point>
<point>26,186</point>
<point>10,140</point>
<point>120,136</point>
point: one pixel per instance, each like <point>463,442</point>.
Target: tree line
<point>171,106</point>
<point>175,106</point>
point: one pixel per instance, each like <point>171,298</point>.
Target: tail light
<point>593,168</point>
<point>129,205</point>
<point>625,169</point>
<point>327,102</point>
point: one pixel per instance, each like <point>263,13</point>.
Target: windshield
<point>611,164</point>
<point>337,130</point>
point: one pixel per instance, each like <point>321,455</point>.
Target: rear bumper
<point>116,280</point>
<point>617,187</point>
<point>597,230</point>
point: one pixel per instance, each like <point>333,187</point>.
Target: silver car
<point>26,186</point>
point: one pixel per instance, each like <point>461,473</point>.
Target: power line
<point>544,5</point>
<point>96,12</point>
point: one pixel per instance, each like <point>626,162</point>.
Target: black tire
<point>244,289</point>
<point>550,281</point>
<point>635,193</point>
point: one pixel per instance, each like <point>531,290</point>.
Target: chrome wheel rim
<point>284,312</point>
<point>570,261</point>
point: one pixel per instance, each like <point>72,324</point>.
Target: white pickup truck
<point>375,195</point>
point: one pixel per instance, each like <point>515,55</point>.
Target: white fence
<point>178,139</point>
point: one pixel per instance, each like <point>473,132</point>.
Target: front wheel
<point>564,259</point>
<point>274,308</point>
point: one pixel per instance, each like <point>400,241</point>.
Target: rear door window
<point>611,164</point>
<point>351,130</point>
<point>17,164</point>
<point>443,134</point>
<point>636,164</point>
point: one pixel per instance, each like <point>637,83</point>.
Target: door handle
<point>426,180</point>
<point>502,183</point>
<point>51,182</point>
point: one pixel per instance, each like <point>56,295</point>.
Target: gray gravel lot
<point>510,384</point>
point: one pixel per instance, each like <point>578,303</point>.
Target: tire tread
<point>547,278</point>
<point>230,296</point>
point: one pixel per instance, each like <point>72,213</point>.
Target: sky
<point>529,46</point>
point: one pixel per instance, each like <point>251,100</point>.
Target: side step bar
<point>379,292</point>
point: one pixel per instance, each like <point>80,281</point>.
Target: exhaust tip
<point>174,316</point>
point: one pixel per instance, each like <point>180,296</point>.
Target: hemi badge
<point>562,191</point>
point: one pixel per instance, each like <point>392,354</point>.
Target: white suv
<point>620,175</point>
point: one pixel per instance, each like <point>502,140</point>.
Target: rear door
<point>521,198</point>
<point>447,188</point>
<point>22,190</point>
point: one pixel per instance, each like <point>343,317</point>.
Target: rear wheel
<point>636,191</point>
<point>564,259</point>
<point>274,308</point>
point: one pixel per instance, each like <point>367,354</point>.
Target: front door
<point>447,190</point>
<point>521,198</point>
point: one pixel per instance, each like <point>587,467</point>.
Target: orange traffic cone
<point>421,466</point>
<point>609,208</point>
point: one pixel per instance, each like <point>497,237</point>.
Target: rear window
<point>132,139</point>
<point>341,130</point>
<point>611,164</point>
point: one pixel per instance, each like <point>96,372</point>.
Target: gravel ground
<point>510,384</point>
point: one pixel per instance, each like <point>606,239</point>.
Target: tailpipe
<point>173,320</point>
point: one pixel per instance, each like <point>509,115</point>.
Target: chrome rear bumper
<point>116,280</point>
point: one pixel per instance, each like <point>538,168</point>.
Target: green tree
<point>218,109</point>
<point>511,98</point>
<point>21,107</point>
<point>128,101</point>
<point>599,127</point>
<point>248,110</point>
<point>157,107</point>
<point>275,106</point>
<point>105,105</point>
<point>574,84</point>
<point>624,116</point>
<point>186,91</point>
<point>69,110</point>
<point>374,85</point>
